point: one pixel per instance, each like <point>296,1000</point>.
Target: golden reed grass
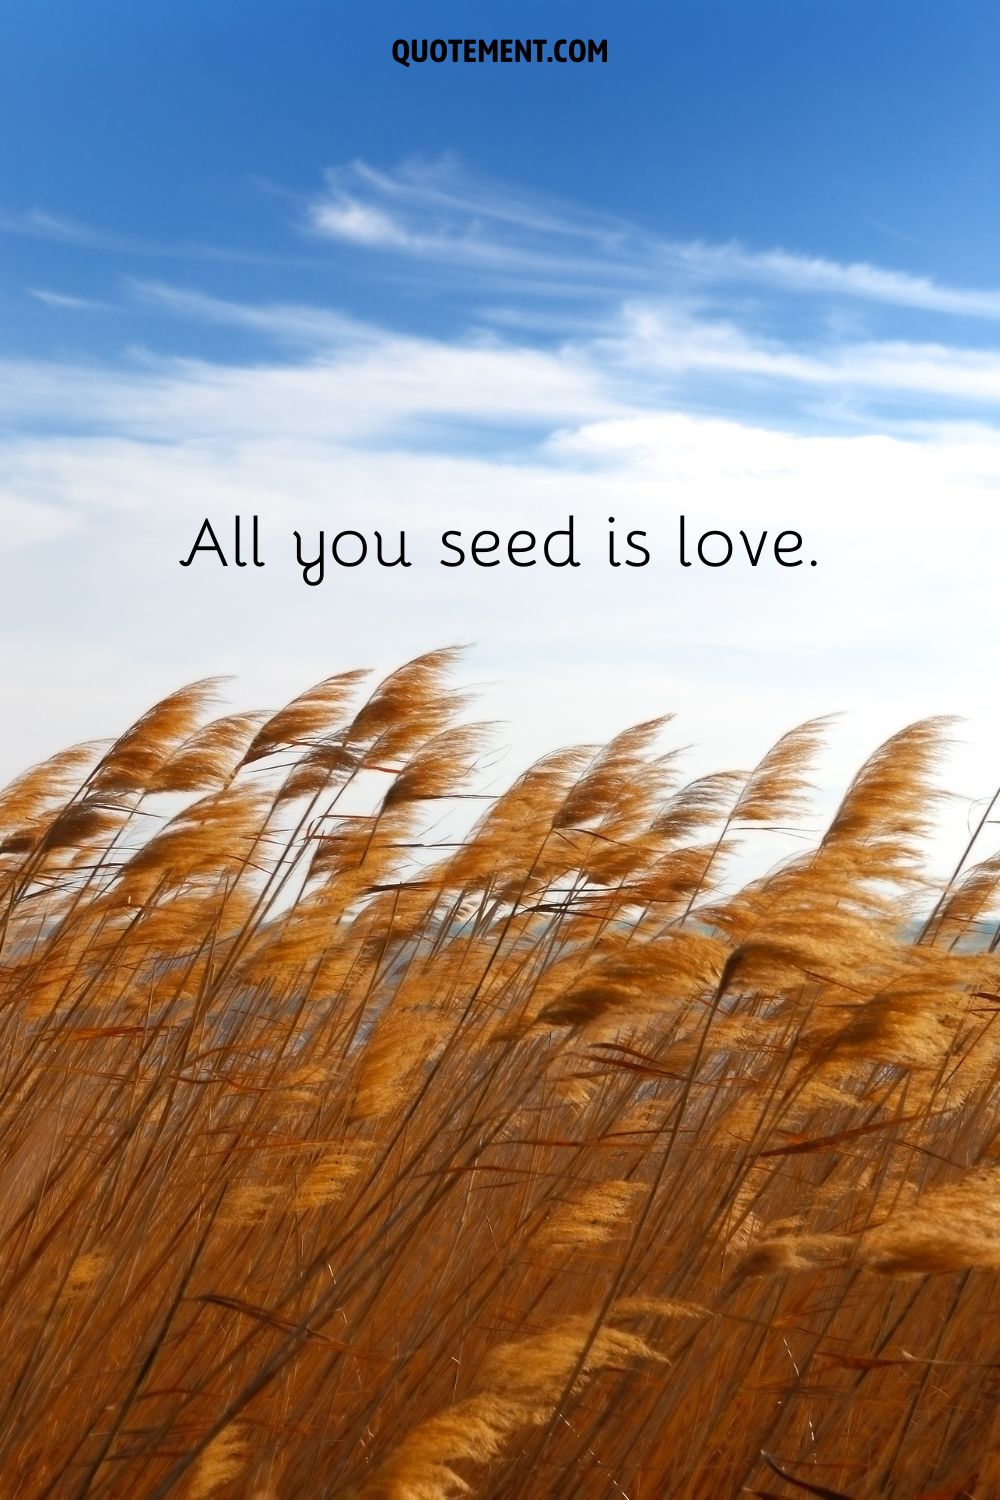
<point>343,1160</point>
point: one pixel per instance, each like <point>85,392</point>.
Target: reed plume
<point>357,1144</point>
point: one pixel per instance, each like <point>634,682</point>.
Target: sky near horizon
<point>745,270</point>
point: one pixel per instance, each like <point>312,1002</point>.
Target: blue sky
<point>746,269</point>
<point>854,131</point>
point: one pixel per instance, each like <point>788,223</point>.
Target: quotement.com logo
<point>539,49</point>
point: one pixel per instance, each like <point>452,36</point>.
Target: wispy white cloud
<point>657,342</point>
<point>344,218</point>
<point>66,301</point>
<point>432,212</point>
<point>287,322</point>
<point>809,273</point>
<point>660,338</point>
<point>363,386</point>
<point>39,224</point>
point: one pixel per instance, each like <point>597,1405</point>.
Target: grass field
<point>346,1157</point>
